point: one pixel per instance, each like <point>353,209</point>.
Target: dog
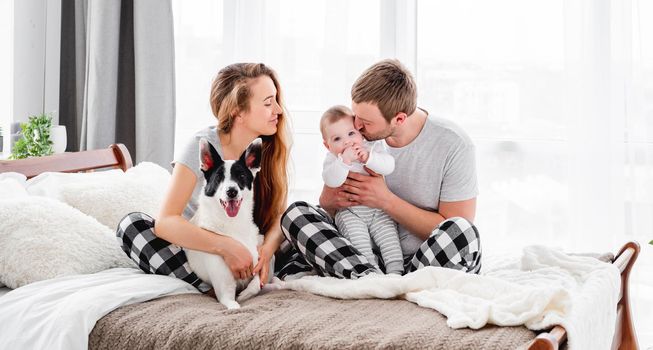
<point>226,206</point>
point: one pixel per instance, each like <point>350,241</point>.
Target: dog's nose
<point>232,193</point>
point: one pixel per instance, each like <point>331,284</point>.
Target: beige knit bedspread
<point>291,320</point>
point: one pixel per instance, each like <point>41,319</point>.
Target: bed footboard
<point>624,335</point>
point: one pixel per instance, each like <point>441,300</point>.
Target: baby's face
<point>341,134</point>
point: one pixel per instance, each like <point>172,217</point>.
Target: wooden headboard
<point>115,156</point>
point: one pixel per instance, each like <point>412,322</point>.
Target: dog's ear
<point>209,157</point>
<point>252,155</point>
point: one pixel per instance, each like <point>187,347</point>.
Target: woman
<point>246,99</point>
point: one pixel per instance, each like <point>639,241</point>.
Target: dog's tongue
<point>232,208</point>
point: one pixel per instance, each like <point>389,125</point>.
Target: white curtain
<point>553,93</point>
<point>317,48</point>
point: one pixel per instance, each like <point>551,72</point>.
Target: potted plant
<point>35,140</point>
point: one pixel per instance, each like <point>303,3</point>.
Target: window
<point>316,48</point>
<point>528,81</point>
<point>6,70</point>
<point>199,52</point>
<point>501,75</point>
<point>561,144</point>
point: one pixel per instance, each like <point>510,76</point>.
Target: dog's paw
<point>230,304</point>
<point>252,289</point>
<point>276,284</point>
<point>245,295</point>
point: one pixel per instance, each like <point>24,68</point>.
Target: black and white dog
<point>226,205</point>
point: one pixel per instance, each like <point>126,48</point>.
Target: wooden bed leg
<point>628,337</point>
<point>550,340</point>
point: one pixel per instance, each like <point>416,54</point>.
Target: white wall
<point>6,66</point>
<point>37,34</point>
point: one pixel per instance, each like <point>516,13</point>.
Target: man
<point>431,194</point>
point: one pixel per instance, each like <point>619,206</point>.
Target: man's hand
<point>263,265</point>
<point>370,191</point>
<point>333,199</point>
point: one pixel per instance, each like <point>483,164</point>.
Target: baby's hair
<point>333,115</point>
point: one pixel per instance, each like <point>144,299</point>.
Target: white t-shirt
<point>189,155</point>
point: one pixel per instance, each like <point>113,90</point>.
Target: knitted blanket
<point>291,320</point>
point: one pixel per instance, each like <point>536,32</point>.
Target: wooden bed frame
<point>117,156</point>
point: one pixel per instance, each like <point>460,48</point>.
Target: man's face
<point>370,122</point>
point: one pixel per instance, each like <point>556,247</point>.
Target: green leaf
<point>36,138</point>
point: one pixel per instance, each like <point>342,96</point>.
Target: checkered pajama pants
<point>320,248</point>
<point>136,236</point>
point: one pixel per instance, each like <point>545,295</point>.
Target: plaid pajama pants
<point>318,246</point>
<point>136,237</point>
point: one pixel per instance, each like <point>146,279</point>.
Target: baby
<point>349,152</point>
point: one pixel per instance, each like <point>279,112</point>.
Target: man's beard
<point>387,132</point>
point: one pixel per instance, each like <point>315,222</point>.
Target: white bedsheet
<point>60,313</point>
<point>543,288</point>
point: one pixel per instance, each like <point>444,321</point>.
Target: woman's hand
<point>238,258</point>
<point>265,254</point>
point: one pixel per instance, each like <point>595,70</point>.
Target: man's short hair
<point>333,115</point>
<point>389,85</point>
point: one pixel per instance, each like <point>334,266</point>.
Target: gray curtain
<point>117,76</point>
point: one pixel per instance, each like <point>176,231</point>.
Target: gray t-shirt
<point>189,155</point>
<point>439,165</point>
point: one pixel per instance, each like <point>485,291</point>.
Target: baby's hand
<point>349,154</point>
<point>362,154</point>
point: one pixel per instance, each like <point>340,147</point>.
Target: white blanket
<point>60,313</point>
<point>545,288</point>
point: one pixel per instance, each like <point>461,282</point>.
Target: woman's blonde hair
<point>230,92</point>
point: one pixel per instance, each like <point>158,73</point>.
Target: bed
<point>290,319</point>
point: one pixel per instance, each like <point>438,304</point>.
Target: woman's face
<point>264,110</point>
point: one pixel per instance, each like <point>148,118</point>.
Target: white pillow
<point>109,197</point>
<point>12,185</point>
<point>48,184</point>
<point>41,238</point>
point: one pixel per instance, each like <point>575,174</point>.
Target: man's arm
<point>372,191</point>
<point>332,199</point>
<point>422,222</point>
